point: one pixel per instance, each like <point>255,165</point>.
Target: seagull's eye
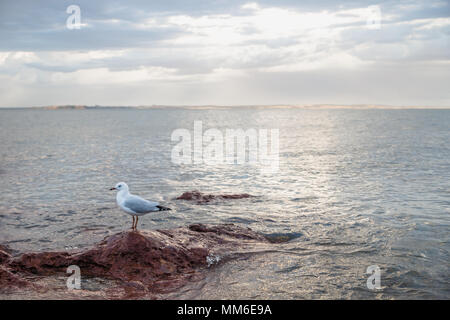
<point>120,186</point>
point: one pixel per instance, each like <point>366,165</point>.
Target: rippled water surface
<point>354,188</point>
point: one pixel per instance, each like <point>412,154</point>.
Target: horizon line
<point>213,106</point>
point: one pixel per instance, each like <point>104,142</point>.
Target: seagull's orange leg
<point>137,219</point>
<point>132,225</point>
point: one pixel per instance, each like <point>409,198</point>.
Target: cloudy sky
<point>178,52</point>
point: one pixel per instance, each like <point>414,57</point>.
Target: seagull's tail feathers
<point>162,208</point>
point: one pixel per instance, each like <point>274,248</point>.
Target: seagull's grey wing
<point>139,205</point>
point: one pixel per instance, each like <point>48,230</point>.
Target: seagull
<point>134,205</point>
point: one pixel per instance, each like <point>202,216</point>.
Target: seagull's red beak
<point>113,189</point>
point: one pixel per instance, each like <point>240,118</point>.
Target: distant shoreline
<point>217,107</point>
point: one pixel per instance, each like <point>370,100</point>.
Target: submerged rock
<point>200,197</point>
<point>147,261</point>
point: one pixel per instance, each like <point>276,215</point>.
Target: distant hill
<point>63,107</point>
<point>74,107</point>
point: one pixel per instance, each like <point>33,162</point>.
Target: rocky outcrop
<point>8,279</point>
<point>155,261</point>
<point>200,197</point>
<point>5,254</point>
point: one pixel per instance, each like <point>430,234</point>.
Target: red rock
<point>5,254</point>
<point>204,198</point>
<point>153,261</point>
<point>9,280</point>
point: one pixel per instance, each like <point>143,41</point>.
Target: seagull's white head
<point>120,186</point>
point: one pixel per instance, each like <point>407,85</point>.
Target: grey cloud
<point>422,10</point>
<point>34,25</point>
<point>413,84</point>
<point>405,67</point>
<point>387,83</point>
